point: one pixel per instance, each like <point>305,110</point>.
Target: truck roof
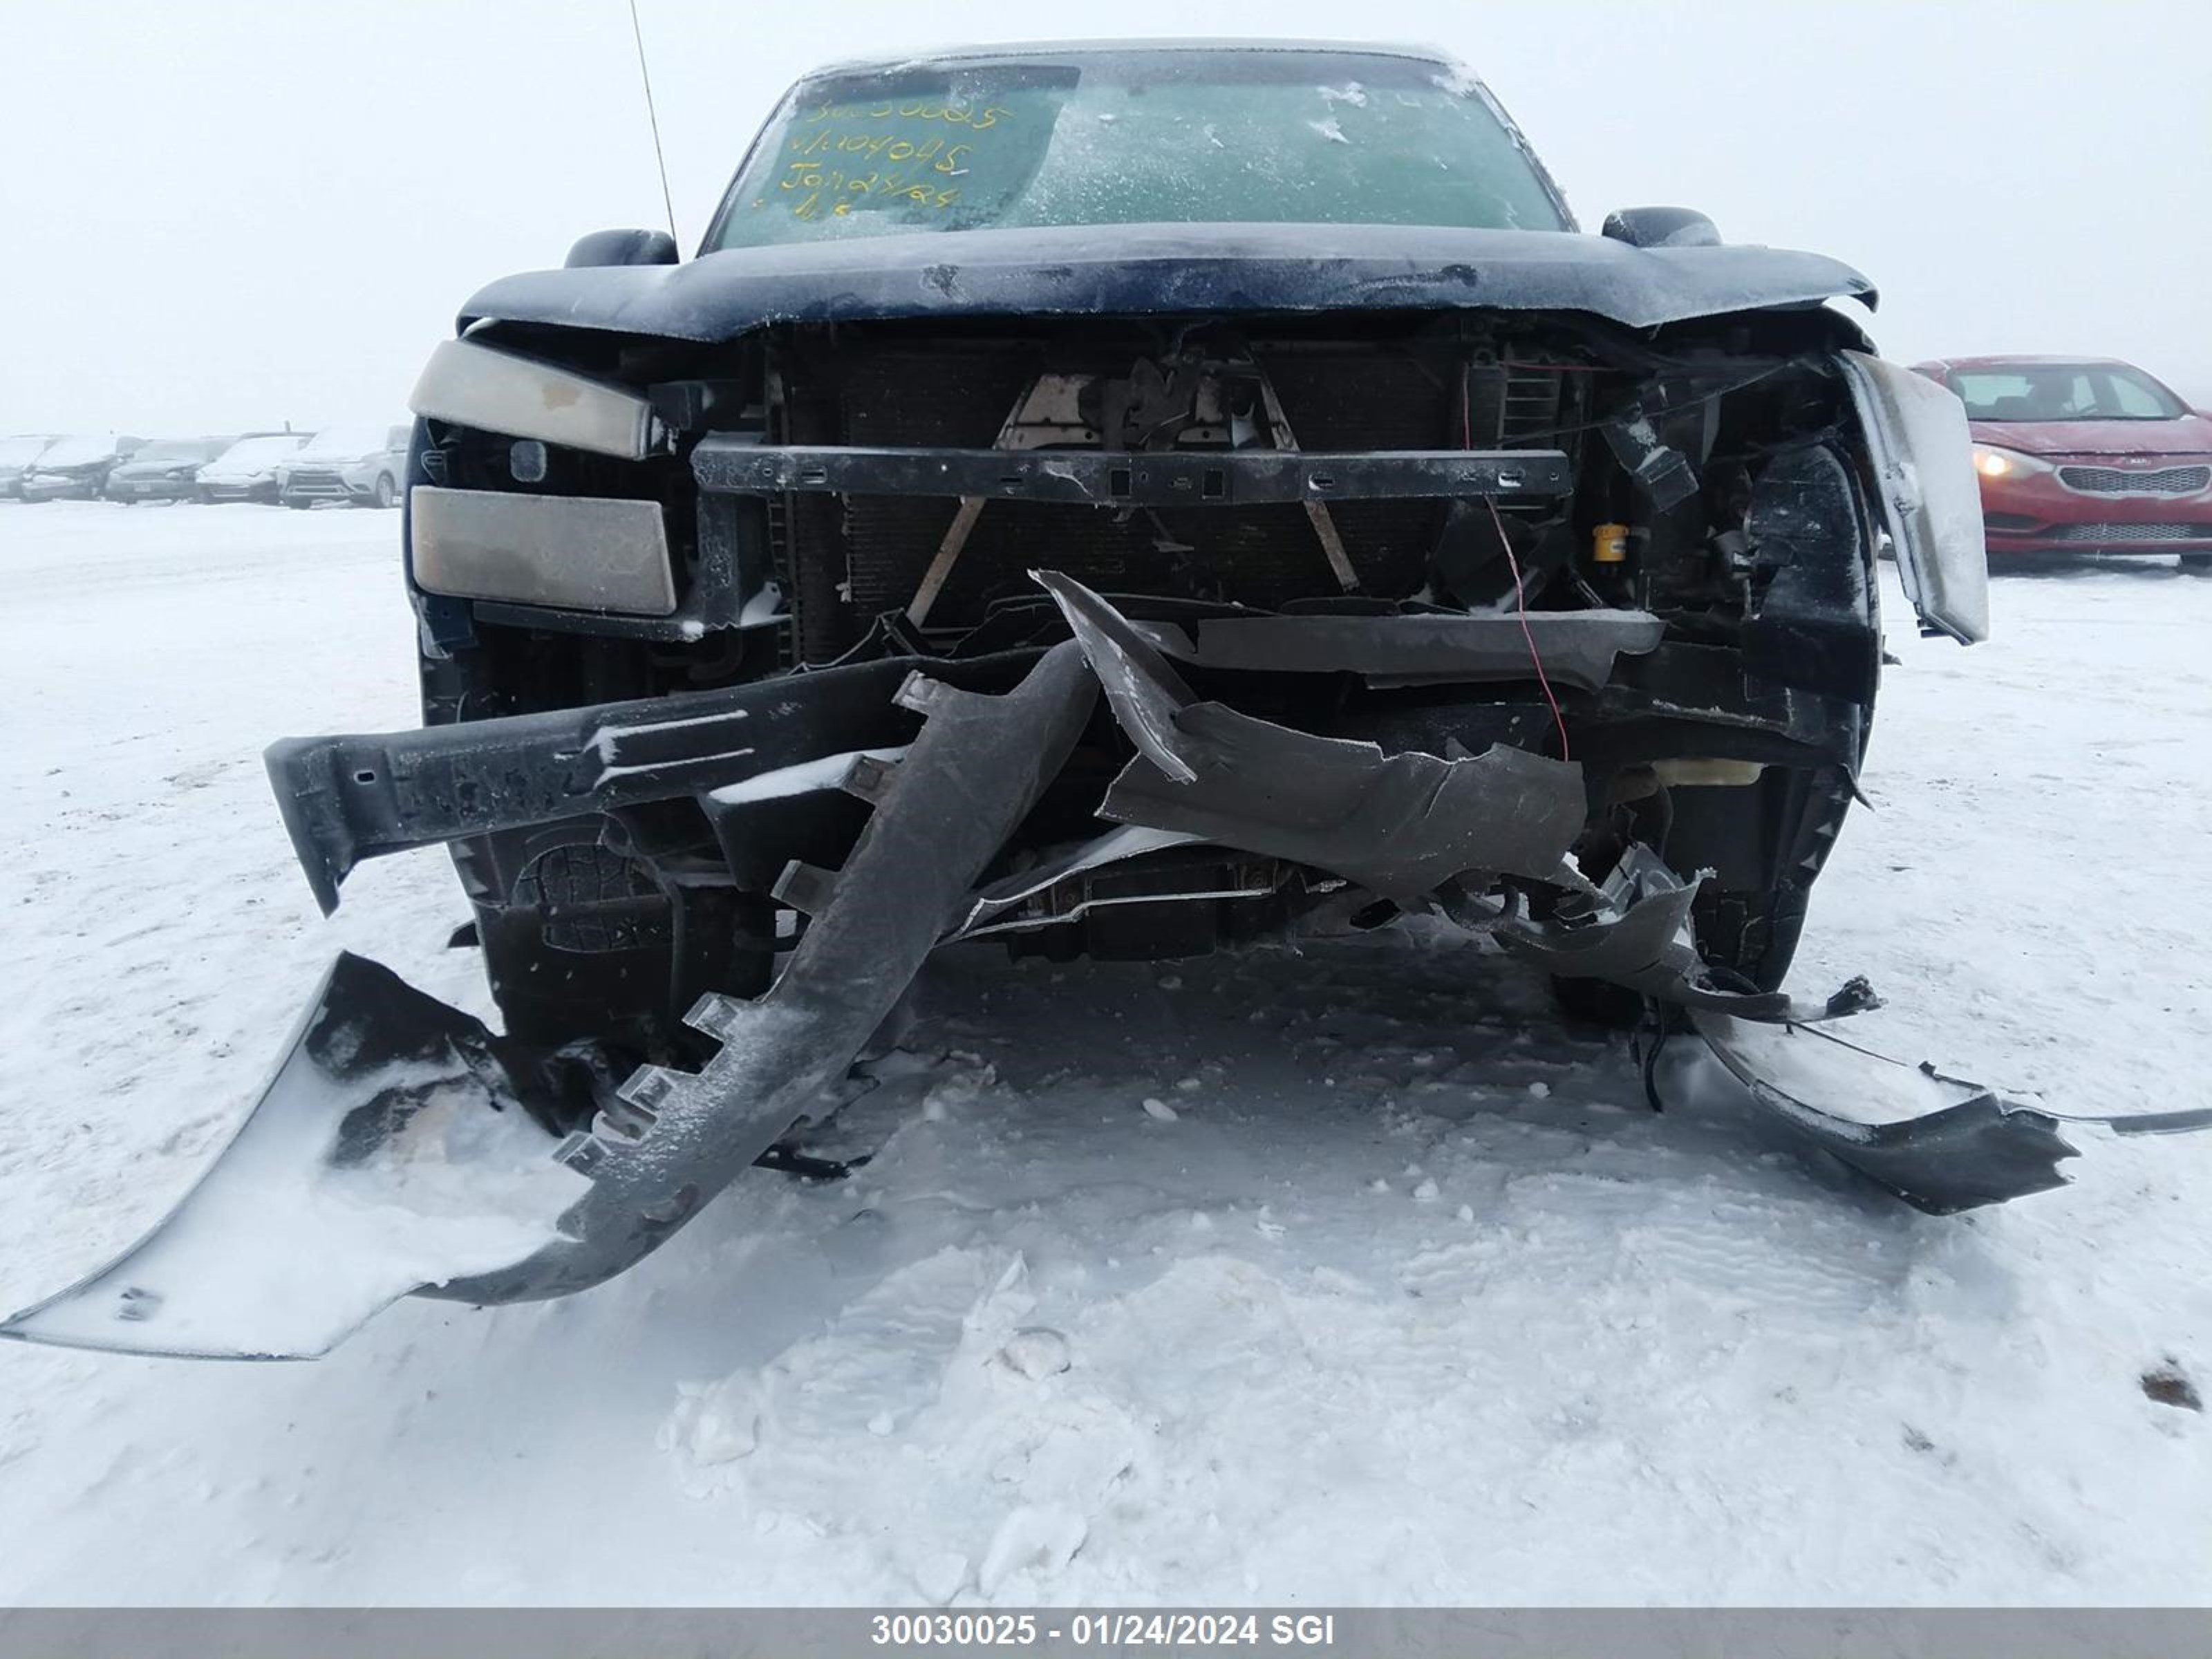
<point>998,53</point>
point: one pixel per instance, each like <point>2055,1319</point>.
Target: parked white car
<point>247,471</point>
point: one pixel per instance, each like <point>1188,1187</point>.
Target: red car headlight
<point>1998,464</point>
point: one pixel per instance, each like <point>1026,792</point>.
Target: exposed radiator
<point>1263,555</point>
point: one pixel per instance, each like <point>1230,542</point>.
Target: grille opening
<point>2125,481</point>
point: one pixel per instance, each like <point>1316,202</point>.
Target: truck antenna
<point>653,118</point>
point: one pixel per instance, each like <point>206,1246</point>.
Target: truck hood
<point>2185,434</point>
<point>1073,271</point>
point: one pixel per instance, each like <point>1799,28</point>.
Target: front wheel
<point>2196,561</point>
<point>387,492</point>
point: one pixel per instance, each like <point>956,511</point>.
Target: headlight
<point>1994,463</point>
<point>472,385</point>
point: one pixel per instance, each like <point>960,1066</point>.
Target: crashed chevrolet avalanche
<point>1125,501</point>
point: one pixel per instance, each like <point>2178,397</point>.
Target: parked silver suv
<point>363,465</point>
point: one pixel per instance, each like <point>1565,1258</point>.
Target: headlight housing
<point>493,391</point>
<point>1998,464</point>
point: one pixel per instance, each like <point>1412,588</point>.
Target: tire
<point>387,492</point>
<point>2198,561</point>
<point>297,506</point>
<point>1598,1002</point>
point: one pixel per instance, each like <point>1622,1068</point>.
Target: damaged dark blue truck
<point>1120,500</point>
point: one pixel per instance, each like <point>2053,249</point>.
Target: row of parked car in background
<point>363,465</point>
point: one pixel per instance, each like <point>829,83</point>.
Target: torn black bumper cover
<point>1940,1143</point>
<point>399,1148</point>
<point>371,1167</point>
<point>346,800</point>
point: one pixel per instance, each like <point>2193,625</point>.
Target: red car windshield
<point>2064,391</point>
<point>1131,138</point>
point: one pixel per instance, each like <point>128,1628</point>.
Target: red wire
<point>1520,598</point>
<point>1521,608</point>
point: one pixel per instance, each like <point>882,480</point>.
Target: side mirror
<point>622,247</point>
<point>1661,226</point>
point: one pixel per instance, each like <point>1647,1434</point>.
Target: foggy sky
<point>216,214</point>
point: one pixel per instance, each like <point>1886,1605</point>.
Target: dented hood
<point>1168,269</point>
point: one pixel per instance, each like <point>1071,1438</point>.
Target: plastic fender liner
<point>1400,826</point>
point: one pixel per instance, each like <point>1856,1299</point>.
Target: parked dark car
<point>16,456</point>
<point>2084,455</point>
<point>247,471</point>
<point>76,469</point>
<point>362,464</point>
<point>165,469</point>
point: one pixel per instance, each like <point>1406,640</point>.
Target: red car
<point>2084,455</point>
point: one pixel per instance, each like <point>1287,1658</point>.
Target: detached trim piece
<point>475,385</point>
<point>576,552</point>
<point>1237,477</point>
<point>1941,1145</point>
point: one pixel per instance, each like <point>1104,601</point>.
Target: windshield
<point>2064,391</point>
<point>178,449</point>
<point>76,451</point>
<point>1216,137</point>
<point>345,443</point>
<point>259,452</point>
<point>15,451</point>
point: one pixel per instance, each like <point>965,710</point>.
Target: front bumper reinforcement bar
<point>1098,477</point>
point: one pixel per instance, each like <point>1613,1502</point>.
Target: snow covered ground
<point>1382,1297</point>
